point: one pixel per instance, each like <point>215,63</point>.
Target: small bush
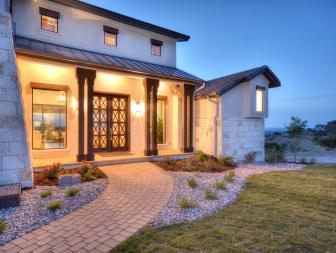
<point>52,171</point>
<point>170,161</point>
<point>46,193</point>
<point>251,157</point>
<point>71,192</point>
<point>303,161</point>
<point>227,161</point>
<point>192,183</point>
<point>89,177</point>
<point>202,156</point>
<point>275,156</point>
<point>209,195</point>
<point>85,168</point>
<point>3,226</point>
<point>54,205</point>
<point>186,203</point>
<point>230,176</point>
<point>220,185</point>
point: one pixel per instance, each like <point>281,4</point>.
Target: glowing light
<point>138,108</point>
<point>259,100</point>
<point>74,104</point>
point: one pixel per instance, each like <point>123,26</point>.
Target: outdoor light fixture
<point>137,109</point>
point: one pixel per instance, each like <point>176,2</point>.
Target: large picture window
<point>49,119</point>
<point>161,121</point>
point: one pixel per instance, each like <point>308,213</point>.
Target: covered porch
<point>79,110</point>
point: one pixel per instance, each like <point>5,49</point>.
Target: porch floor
<point>105,159</point>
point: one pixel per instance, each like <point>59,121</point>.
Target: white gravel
<point>173,213</point>
<point>33,213</point>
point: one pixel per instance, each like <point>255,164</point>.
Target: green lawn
<point>291,211</point>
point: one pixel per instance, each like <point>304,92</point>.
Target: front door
<point>110,123</point>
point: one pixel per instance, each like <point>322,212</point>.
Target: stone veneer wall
<point>241,136</point>
<point>15,164</point>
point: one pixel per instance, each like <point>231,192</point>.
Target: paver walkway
<point>135,195</point>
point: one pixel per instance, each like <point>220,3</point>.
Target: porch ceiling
<point>41,49</point>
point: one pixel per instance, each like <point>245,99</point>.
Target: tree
<point>295,130</point>
<point>330,128</point>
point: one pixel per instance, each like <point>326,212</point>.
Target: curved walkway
<point>135,195</point>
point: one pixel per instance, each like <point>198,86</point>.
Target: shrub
<point>189,164</point>
<point>202,156</point>
<point>3,226</point>
<point>186,203</point>
<point>275,156</point>
<point>251,157</point>
<point>85,168</point>
<point>220,185</point>
<point>227,161</point>
<point>170,161</point>
<point>329,142</point>
<point>51,172</point>
<point>89,177</point>
<point>46,193</point>
<point>303,161</point>
<point>54,205</point>
<point>230,176</point>
<point>192,183</point>
<point>71,192</point>
<point>209,195</point>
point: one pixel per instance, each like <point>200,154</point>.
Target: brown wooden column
<point>151,87</point>
<point>81,82</point>
<point>187,118</point>
<point>82,75</point>
<point>91,76</point>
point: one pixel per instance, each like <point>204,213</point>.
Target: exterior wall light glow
<point>138,109</point>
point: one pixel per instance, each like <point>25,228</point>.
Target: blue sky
<point>296,38</point>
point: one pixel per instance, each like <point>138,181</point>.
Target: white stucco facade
<point>84,30</point>
<point>234,128</point>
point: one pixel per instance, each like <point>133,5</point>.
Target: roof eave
<point>123,19</point>
<point>42,56</point>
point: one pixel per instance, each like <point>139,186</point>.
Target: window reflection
<point>49,119</point>
<point>161,121</point>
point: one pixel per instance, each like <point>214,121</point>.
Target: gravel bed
<point>172,213</point>
<point>33,213</point>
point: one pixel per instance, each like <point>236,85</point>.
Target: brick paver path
<point>136,193</point>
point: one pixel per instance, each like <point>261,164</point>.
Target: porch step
<point>125,161</point>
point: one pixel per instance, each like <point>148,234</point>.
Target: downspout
<point>216,102</point>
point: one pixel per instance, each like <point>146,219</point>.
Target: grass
<point>229,176</point>
<point>220,185</point>
<point>292,211</point>
<point>54,205</point>
<point>186,203</point>
<point>210,195</point>
<point>192,183</point>
<point>46,194</point>
<point>3,226</point>
<point>72,192</point>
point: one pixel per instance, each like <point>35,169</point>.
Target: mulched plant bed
<point>49,175</point>
<point>194,164</point>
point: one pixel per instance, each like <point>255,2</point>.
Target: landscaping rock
<point>69,180</point>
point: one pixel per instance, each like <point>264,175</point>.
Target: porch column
<point>82,76</point>
<point>151,87</point>
<point>187,118</point>
<point>91,76</point>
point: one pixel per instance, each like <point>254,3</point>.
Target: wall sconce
<point>137,109</point>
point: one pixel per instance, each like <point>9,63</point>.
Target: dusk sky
<point>296,38</point>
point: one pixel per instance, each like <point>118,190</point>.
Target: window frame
<point>156,43</point>
<point>57,24</point>
<point>164,99</point>
<point>262,89</point>
<point>66,118</point>
<point>116,36</point>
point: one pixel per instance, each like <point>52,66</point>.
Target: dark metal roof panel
<point>83,56</point>
<point>223,84</point>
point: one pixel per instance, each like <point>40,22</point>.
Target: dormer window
<point>49,20</point>
<point>260,99</point>
<point>110,36</point>
<point>156,47</point>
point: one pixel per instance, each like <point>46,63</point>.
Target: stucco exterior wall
<point>47,73</point>
<point>85,30</point>
<point>15,163</point>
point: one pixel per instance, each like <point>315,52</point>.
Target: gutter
<point>216,103</point>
